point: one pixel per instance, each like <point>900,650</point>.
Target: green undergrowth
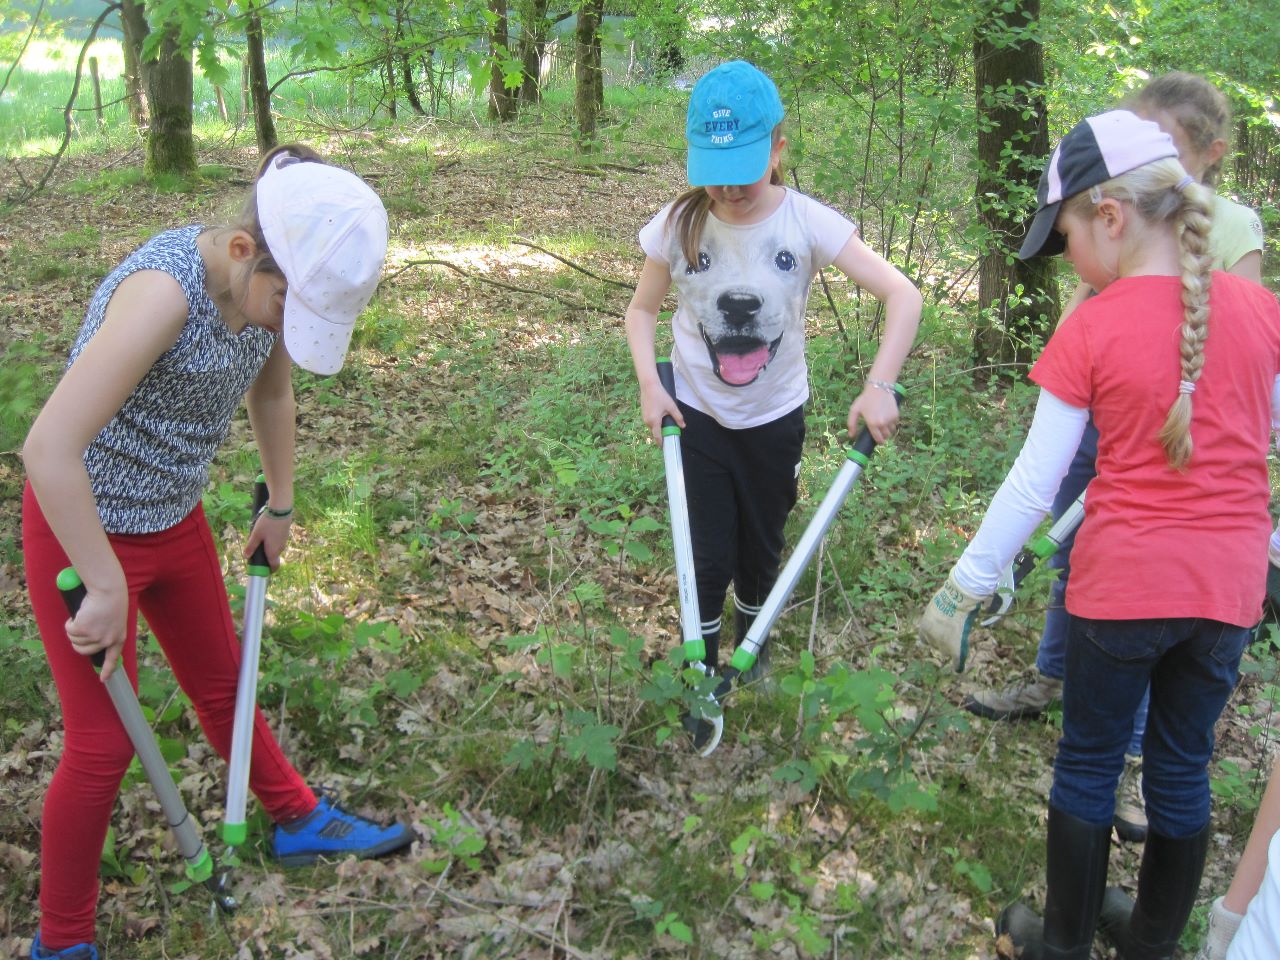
<point>476,630</point>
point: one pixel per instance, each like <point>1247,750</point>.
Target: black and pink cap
<point>1097,149</point>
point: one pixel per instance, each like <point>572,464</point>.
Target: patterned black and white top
<point>149,466</point>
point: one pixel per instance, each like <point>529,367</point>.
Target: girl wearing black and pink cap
<point>191,323</point>
<point>741,250</point>
<point>1180,368</point>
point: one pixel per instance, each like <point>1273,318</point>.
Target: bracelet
<point>277,514</point>
<point>884,385</point>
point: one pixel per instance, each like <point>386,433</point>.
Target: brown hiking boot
<point>1131,809</point>
<point>1022,701</point>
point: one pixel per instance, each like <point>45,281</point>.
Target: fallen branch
<point>576,266</point>
<point>587,307</point>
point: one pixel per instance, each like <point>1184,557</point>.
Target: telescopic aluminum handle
<point>199,864</point>
<point>695,649</point>
<point>856,459</point>
<point>234,828</point>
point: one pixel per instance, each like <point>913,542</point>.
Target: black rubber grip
<point>667,377</point>
<point>260,495</point>
<point>73,593</point>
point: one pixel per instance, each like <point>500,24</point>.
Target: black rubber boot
<point>1168,882</point>
<point>760,669</point>
<point>1076,876</point>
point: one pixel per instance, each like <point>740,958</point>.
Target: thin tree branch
<point>67,111</point>
<point>589,307</point>
<point>35,22</point>
<point>576,266</point>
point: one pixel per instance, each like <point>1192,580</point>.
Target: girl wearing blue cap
<point>191,323</point>
<point>1180,368</point>
<point>741,250</point>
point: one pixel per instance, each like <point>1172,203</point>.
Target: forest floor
<point>474,627</point>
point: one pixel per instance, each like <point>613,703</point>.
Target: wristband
<point>284,514</point>
<point>891,388</point>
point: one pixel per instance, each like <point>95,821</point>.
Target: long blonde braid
<point>1163,192</point>
<point>1194,219</point>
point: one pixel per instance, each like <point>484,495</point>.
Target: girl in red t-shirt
<point>1178,366</point>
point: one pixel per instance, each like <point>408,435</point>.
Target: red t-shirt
<point>1157,542</point>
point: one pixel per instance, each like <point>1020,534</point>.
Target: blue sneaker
<point>329,831</point>
<point>81,951</point>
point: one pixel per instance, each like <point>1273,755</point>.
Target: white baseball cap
<point>327,231</point>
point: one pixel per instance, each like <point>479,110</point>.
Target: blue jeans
<point>1051,656</point>
<point>1191,666</point>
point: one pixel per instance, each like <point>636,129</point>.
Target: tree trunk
<point>502,102</point>
<point>1013,142</point>
<point>533,41</point>
<point>133,22</point>
<point>389,74</point>
<point>410,87</point>
<point>588,99</point>
<point>171,146</point>
<point>264,124</point>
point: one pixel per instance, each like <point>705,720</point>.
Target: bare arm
<point>902,302</point>
<point>273,413</point>
<point>1249,266</point>
<point>1253,862</point>
<point>642,325</point>
<point>143,320</point>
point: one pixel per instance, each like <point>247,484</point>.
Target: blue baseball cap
<point>732,113</point>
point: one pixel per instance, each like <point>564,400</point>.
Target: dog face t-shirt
<point>739,327</point>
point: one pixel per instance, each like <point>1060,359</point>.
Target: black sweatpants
<point>741,485</point>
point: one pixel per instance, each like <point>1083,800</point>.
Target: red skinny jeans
<point>175,580</point>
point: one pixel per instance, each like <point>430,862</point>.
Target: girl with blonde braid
<point>1178,366</point>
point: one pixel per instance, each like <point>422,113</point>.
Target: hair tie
<point>1186,386</point>
<point>1185,182</point>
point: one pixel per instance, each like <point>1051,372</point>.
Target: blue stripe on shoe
<point>330,831</point>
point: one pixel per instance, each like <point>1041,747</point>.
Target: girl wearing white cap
<point>188,325</point>
<point>1180,368</point>
<point>741,250</point>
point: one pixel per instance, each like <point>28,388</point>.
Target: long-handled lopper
<point>857,457</point>
<point>200,866</point>
<point>255,602</point>
<point>708,730</point>
<point>1042,548</point>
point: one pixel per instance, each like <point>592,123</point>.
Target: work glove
<point>947,620</point>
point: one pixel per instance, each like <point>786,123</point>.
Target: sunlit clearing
<point>45,56</point>
<point>478,259</point>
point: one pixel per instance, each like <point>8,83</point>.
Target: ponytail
<point>689,216</point>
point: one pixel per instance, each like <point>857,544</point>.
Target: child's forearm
<point>273,415</point>
<point>642,330</point>
<point>902,321</point>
